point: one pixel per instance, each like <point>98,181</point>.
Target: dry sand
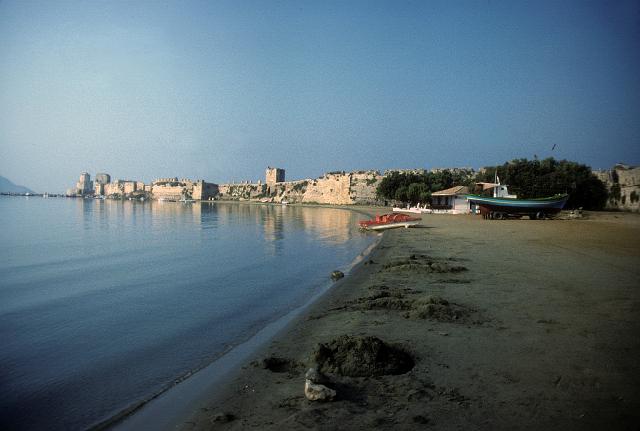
<point>512,324</point>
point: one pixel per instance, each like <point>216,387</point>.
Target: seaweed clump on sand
<point>437,308</point>
<point>361,357</point>
<point>422,263</point>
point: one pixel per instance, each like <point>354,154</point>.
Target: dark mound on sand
<point>361,357</point>
<point>279,365</point>
<point>423,264</point>
<point>437,308</point>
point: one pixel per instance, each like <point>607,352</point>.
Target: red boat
<point>389,221</point>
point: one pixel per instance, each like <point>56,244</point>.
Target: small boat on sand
<point>389,221</point>
<point>500,207</point>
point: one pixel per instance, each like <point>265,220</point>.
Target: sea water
<point>104,304</point>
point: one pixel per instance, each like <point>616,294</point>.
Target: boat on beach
<point>500,204</point>
<point>504,207</point>
<point>389,221</point>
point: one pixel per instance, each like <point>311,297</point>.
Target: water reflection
<point>333,226</point>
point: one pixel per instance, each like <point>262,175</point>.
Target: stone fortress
<point>332,188</point>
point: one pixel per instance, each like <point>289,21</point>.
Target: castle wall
<point>623,185</point>
<point>363,187</point>
<point>331,189</point>
<point>243,191</point>
<point>115,188</point>
<point>204,191</point>
<point>337,188</point>
<point>168,192</point>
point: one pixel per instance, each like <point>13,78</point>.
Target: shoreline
<point>194,385</point>
<point>527,336</point>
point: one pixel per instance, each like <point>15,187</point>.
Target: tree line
<point>417,188</point>
<point>525,178</point>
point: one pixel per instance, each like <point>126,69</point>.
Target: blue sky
<point>220,90</point>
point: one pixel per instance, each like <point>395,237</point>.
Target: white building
<point>451,201</point>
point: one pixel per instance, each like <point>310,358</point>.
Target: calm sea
<point>104,303</point>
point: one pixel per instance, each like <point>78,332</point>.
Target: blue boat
<point>503,207</point>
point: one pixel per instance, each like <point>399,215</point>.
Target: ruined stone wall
<point>623,185</point>
<point>333,189</point>
<point>291,191</point>
<point>243,191</point>
<point>363,187</point>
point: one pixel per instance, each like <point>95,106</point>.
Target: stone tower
<point>273,176</point>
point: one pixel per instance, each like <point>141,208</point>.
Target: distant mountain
<point>7,186</point>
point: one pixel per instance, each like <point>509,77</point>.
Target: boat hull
<point>407,210</point>
<point>391,225</point>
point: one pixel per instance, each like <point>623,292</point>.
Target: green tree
<point>414,188</point>
<point>418,192</point>
<point>401,194</point>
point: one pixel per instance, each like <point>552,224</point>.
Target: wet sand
<point>512,324</point>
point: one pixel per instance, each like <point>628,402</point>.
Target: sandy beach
<point>512,324</point>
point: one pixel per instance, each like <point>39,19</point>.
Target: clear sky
<point>219,90</point>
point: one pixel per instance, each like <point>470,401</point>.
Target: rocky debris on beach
<point>423,263</point>
<point>357,356</point>
<point>315,388</point>
<point>337,275</point>
<point>315,392</point>
<point>571,215</point>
